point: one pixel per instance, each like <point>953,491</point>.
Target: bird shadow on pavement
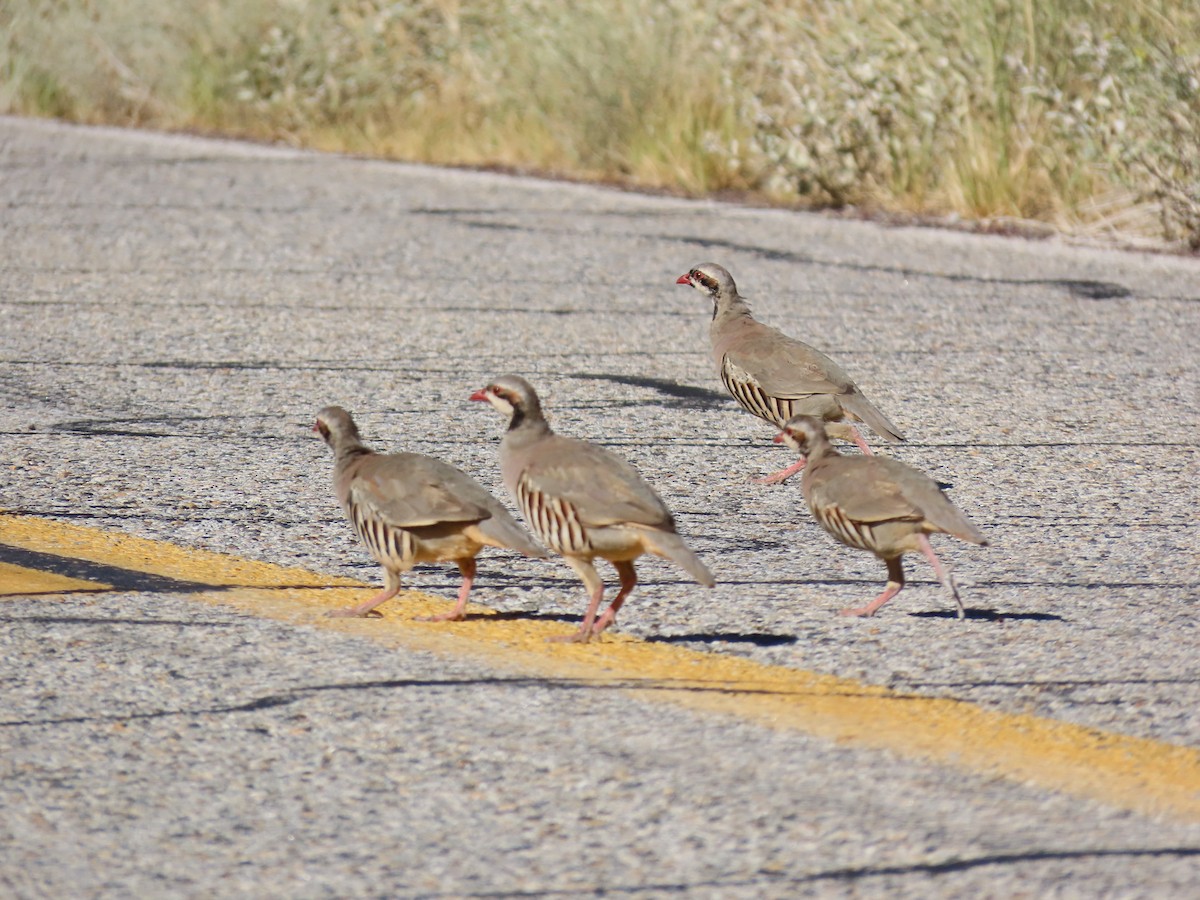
<point>115,579</point>
<point>989,615</point>
<point>520,615</point>
<point>108,578</point>
<point>298,694</point>
<point>724,637</point>
<point>769,882</point>
<point>1086,289</point>
<point>685,394</point>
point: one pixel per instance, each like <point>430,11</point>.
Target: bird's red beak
<point>478,395</point>
<point>779,438</point>
<point>684,279</point>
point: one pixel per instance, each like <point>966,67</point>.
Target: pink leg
<point>628,581</point>
<point>782,474</point>
<point>390,590</point>
<point>467,567</point>
<point>943,574</point>
<point>861,441</point>
<point>894,586</point>
<point>591,580</point>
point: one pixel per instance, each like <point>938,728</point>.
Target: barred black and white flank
<point>583,501</point>
<point>773,376</point>
<point>876,504</point>
<point>408,509</point>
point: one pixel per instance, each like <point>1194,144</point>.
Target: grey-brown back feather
<point>409,490</point>
<point>600,486</point>
<point>767,372</point>
<point>782,365</point>
<point>875,489</point>
<point>581,499</point>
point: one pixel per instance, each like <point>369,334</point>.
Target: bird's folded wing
<point>865,492</point>
<point>784,367</point>
<point>410,491</point>
<point>603,488</point>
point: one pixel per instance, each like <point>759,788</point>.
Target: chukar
<point>583,502</point>
<point>877,504</point>
<point>409,509</point>
<point>774,376</point>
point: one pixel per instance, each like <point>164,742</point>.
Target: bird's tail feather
<point>505,532</point>
<point>865,410</point>
<point>669,545</point>
<point>969,531</point>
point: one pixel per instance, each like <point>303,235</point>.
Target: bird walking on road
<point>774,376</point>
<point>409,509</point>
<point>877,504</point>
<point>583,501</point>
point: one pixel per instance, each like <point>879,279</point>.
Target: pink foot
<point>895,583</point>
<point>365,610</point>
<point>467,567</point>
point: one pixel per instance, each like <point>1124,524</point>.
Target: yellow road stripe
<point>1127,772</point>
<point>18,581</point>
<point>125,551</point>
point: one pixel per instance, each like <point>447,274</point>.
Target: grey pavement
<point>173,311</point>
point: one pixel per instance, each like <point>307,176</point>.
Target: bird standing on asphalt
<point>774,376</point>
<point>877,504</point>
<point>409,509</point>
<point>583,502</point>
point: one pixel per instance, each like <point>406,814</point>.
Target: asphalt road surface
<point>173,312</point>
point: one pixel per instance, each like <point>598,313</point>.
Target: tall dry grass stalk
<point>1049,110</point>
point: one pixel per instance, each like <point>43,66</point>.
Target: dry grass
<point>1081,113</point>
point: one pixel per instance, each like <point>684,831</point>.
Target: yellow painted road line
<point>18,581</point>
<point>136,554</point>
<point>1127,772</point>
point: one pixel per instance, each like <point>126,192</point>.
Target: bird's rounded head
<point>804,434</point>
<point>512,396</point>
<point>335,426</point>
<point>709,279</point>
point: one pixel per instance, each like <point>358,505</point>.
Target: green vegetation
<point>1084,114</point>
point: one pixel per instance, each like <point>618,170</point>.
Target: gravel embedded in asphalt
<point>176,310</point>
